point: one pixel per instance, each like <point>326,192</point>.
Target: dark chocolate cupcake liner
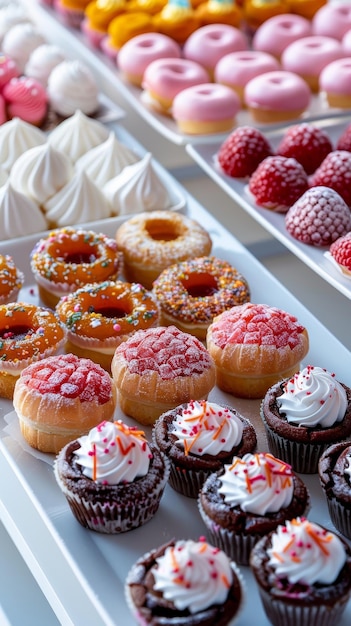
<point>302,457</point>
<point>282,613</point>
<point>185,481</point>
<point>340,516</point>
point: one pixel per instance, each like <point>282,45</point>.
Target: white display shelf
<point>205,156</point>
<point>82,573</point>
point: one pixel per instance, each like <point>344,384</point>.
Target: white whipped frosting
<point>193,575</point>
<point>17,136</point>
<point>40,172</point>
<point>313,397</point>
<point>71,86</point>
<point>3,176</point>
<point>106,160</point>
<point>12,13</point>
<point>78,134</point>
<point>303,552</point>
<point>20,41</point>
<point>207,428</point>
<point>79,201</point>
<point>19,215</point>
<point>42,61</point>
<point>137,188</point>
<point>258,483</point>
<point>113,453</point>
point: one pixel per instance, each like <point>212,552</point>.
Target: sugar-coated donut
<point>191,293</point>
<point>164,78</point>
<point>309,55</point>
<point>277,96</point>
<point>11,279</point>
<point>69,258</point>
<point>335,83</point>
<point>137,53</point>
<point>210,43</point>
<point>154,240</point>
<point>332,20</point>
<point>27,333</point>
<point>99,317</point>
<point>237,68</point>
<point>279,31</point>
<point>204,109</point>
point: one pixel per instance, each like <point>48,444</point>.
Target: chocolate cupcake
<point>305,414</point>
<point>303,573</point>
<point>248,499</point>
<point>198,438</point>
<point>113,479</point>
<point>335,477</point>
<point>184,582</point>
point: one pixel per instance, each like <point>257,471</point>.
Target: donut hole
<point>112,312</point>
<point>76,254</point>
<point>16,332</point>
<point>159,230</point>
<point>200,285</point>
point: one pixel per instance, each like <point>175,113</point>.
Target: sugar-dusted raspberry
<point>242,152</point>
<point>344,141</point>
<point>335,172</point>
<point>340,250</point>
<point>319,217</point>
<point>306,143</point>
<point>277,183</point>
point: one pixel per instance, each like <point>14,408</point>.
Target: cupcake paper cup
<point>185,481</point>
<point>340,516</point>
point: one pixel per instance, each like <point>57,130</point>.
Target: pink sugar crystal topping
<point>166,350</point>
<point>69,377</point>
<point>257,324</point>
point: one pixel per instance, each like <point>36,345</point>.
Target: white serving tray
<point>82,573</point>
<point>113,84</point>
<point>205,156</point>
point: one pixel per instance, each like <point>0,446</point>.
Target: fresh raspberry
<point>278,182</point>
<point>344,141</point>
<point>242,152</point>
<point>307,144</point>
<point>335,172</point>
<point>319,217</point>
<point>340,250</point>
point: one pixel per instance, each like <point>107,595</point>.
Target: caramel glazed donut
<point>190,294</point>
<point>98,317</point>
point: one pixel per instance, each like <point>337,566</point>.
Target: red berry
<point>340,250</point>
<point>278,182</point>
<point>319,217</point>
<point>344,141</point>
<point>335,172</point>
<point>243,151</point>
<point>307,144</point>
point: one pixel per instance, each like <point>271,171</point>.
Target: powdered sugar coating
<point>340,250</point>
<point>165,350</point>
<point>306,143</point>
<point>335,172</point>
<point>278,182</point>
<point>256,324</point>
<point>242,152</point>
<point>319,217</point>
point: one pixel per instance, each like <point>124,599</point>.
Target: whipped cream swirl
<point>193,575</point>
<point>306,553</point>
<point>313,397</point>
<point>113,453</point>
<point>258,483</point>
<point>207,428</point>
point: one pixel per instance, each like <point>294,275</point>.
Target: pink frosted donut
<point>332,20</point>
<point>346,43</point>
<point>206,108</point>
<point>277,96</point>
<point>309,55</point>
<point>137,53</point>
<point>335,82</point>
<point>27,99</point>
<point>210,43</point>
<point>279,31</point>
<point>164,78</point>
<point>8,70</point>
<point>237,68</point>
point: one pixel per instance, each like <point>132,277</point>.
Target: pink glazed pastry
<point>332,20</point>
<point>26,98</point>
<point>309,55</point>
<point>206,108</point>
<point>237,68</point>
<point>165,78</point>
<point>8,70</point>
<point>276,33</point>
<point>210,43</point>
<point>335,83</point>
<point>277,96</point>
<point>137,53</point>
